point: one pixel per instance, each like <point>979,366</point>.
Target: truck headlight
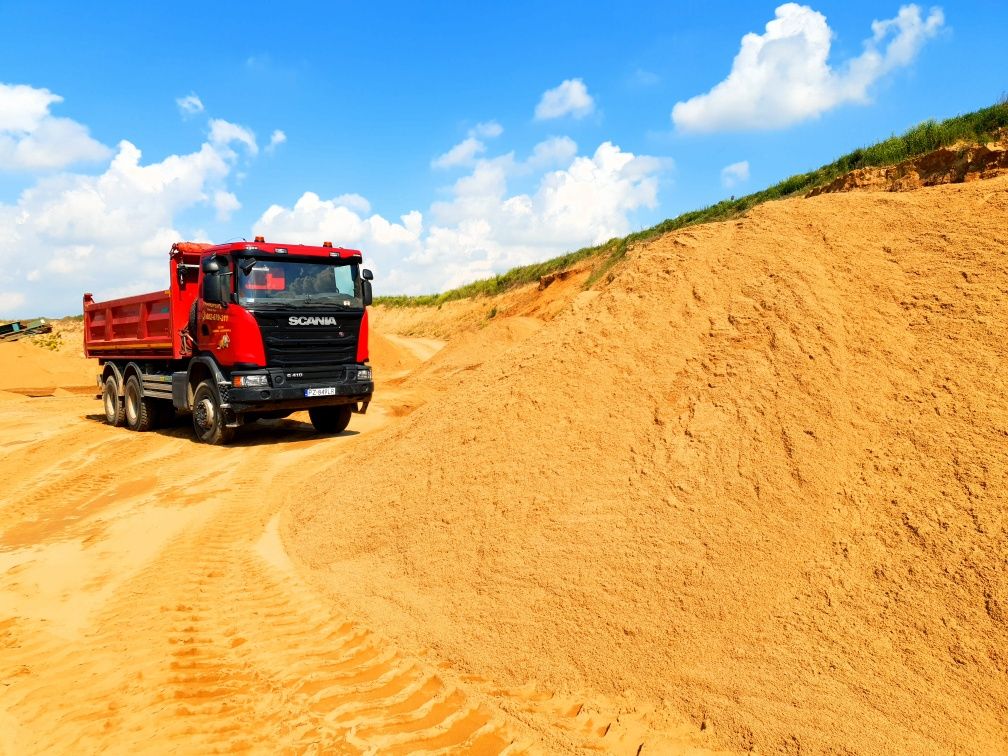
<point>250,380</point>
<point>364,374</point>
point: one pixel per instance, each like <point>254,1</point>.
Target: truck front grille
<point>309,345</point>
<point>313,376</point>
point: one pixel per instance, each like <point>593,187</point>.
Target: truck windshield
<point>297,282</point>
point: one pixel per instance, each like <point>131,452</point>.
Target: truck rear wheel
<point>114,411</point>
<point>208,419</point>
<point>140,411</point>
<point>331,419</point>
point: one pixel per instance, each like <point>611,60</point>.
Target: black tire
<point>208,419</point>
<point>331,419</point>
<point>115,412</point>
<point>140,411</point>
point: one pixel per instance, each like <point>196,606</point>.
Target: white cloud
<point>223,133</point>
<point>642,79</point>
<point>10,302</point>
<point>736,173</point>
<point>463,153</point>
<point>225,203</point>
<point>489,129</point>
<point>107,233</point>
<point>552,152</point>
<point>570,98</point>
<point>23,108</point>
<point>189,105</point>
<point>354,202</point>
<point>345,221</point>
<point>483,228</point>
<point>783,76</point>
<point>276,139</point>
<point>32,138</point>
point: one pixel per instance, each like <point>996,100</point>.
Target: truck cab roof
<point>304,250</point>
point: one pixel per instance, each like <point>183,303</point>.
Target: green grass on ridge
<point>977,127</point>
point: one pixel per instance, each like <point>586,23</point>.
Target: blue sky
<point>368,97</point>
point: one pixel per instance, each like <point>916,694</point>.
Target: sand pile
<point>53,361</point>
<point>389,358</point>
<point>469,350</point>
<point>448,320</point>
<point>757,481</point>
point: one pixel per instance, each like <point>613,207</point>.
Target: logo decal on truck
<point>301,320</point>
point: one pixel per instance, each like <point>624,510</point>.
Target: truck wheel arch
<point>112,369</point>
<point>133,369</point>
<point>202,369</point>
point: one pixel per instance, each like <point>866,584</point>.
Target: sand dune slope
<point>27,368</point>
<point>758,481</point>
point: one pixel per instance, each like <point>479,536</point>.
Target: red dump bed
<point>147,326</point>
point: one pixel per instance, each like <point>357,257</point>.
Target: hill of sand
<point>30,369</point>
<point>755,484</point>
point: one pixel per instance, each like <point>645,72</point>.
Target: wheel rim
<point>131,405</point>
<point>204,413</point>
<point>110,407</point>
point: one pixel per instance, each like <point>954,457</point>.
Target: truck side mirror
<point>215,288</point>
<point>211,290</point>
<point>366,292</point>
<point>215,280</point>
<point>367,275</point>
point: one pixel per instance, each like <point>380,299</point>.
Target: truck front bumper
<point>292,389</point>
<point>249,399</point>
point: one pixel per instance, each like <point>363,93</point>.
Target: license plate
<point>327,391</point>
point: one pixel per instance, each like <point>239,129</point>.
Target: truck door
<point>213,331</point>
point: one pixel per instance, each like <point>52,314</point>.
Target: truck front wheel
<point>208,419</point>
<point>114,412</point>
<point>139,410</point>
<point>330,419</point>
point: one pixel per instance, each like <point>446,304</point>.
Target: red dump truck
<point>244,331</point>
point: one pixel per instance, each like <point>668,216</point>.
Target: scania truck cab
<point>245,331</point>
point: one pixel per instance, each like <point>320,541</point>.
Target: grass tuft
<point>977,127</point>
<point>51,341</point>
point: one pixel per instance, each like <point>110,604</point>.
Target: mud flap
<point>180,390</point>
<point>361,409</point>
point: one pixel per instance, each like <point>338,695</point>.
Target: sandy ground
<point>748,496</point>
<point>148,604</point>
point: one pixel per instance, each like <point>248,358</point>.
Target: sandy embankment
<point>757,482</point>
<point>38,371</point>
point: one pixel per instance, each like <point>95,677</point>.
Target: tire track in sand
<point>211,647</point>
